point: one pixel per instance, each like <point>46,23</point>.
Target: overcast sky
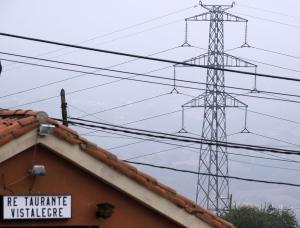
<point>127,26</point>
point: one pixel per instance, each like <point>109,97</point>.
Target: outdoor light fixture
<point>38,170</point>
<point>104,210</point>
<point>45,129</point>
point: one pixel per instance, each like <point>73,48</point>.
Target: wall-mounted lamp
<point>104,210</point>
<point>38,170</point>
<point>45,129</point>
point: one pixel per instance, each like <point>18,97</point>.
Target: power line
<point>75,77</point>
<point>188,146</point>
<point>279,140</point>
<point>267,10</point>
<point>272,65</point>
<point>234,160</point>
<point>264,165</point>
<point>141,140</point>
<point>108,69</point>
<point>163,135</point>
<point>106,136</point>
<point>269,64</point>
<point>125,72</point>
<point>168,113</point>
<point>123,29</point>
<point>275,117</point>
<point>179,146</point>
<point>184,147</point>
<point>230,153</point>
<point>126,36</point>
<point>272,138</point>
<point>197,135</point>
<point>276,52</point>
<point>87,88</point>
<point>124,105</point>
<point>136,80</point>
<point>92,87</point>
<point>273,155</point>
<point>141,23</point>
<point>153,117</point>
<point>79,109</point>
<point>255,164</point>
<point>215,175</point>
<point>269,20</point>
<point>145,57</point>
<point>128,72</point>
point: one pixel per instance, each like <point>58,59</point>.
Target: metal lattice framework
<point>213,191</point>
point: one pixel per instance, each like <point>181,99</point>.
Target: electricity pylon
<point>213,190</point>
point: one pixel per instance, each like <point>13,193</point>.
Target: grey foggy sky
<point>76,21</point>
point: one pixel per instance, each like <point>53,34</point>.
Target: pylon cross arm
<point>229,61</point>
<point>195,102</point>
<point>233,61</point>
<point>233,18</point>
<point>200,17</point>
<point>233,102</point>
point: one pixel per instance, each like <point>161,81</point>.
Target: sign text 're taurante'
<point>37,207</point>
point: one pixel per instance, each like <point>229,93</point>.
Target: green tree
<point>263,217</point>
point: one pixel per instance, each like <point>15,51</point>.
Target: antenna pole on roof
<point>64,113</point>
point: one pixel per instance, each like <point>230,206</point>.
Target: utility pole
<point>213,190</point>
<point>64,113</point>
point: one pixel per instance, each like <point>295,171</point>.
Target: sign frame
<point>2,209</point>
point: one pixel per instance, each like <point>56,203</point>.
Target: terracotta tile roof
<point>14,123</point>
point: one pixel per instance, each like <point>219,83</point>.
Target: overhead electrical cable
<point>214,175</point>
<point>145,57</point>
<point>250,163</point>
<point>143,140</point>
<point>163,135</point>
<point>268,64</point>
<point>124,29</point>
<point>276,52</point>
<point>266,19</point>
<point>272,155</point>
<point>127,104</point>
<point>79,109</point>
<point>180,146</point>
<point>184,148</point>
<point>122,37</point>
<point>155,116</point>
<point>150,82</point>
<point>268,11</point>
<point>77,76</point>
<point>275,117</point>
<point>263,165</point>
<point>271,65</point>
<point>230,153</point>
<point>128,72</point>
<point>132,79</point>
<point>275,139</point>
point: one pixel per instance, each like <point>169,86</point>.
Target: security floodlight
<point>45,129</point>
<point>38,170</point>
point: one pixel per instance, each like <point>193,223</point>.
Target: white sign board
<point>37,207</point>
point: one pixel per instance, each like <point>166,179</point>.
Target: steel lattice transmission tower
<point>213,190</point>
